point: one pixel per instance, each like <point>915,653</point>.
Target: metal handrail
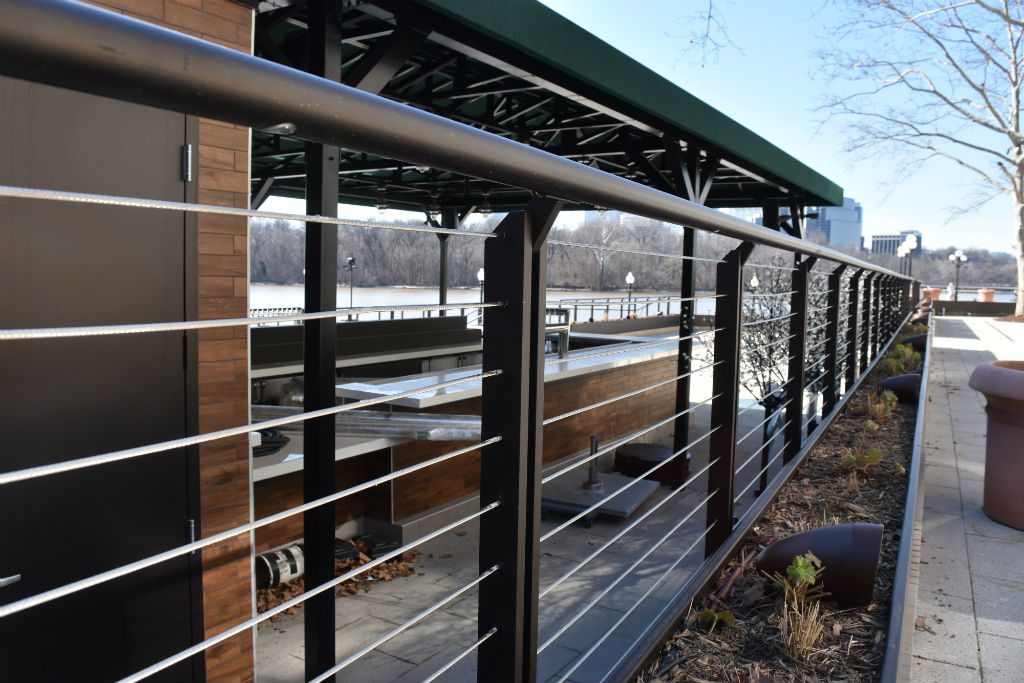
<point>161,68</point>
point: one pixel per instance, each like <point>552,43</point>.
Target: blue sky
<point>768,82</point>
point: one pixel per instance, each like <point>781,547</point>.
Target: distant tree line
<point>394,257</point>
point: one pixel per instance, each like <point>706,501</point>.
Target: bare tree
<point>938,79</point>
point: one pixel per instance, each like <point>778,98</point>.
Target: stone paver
<point>971,588</point>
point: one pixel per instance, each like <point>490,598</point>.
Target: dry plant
<point>880,406</point>
<point>800,622</point>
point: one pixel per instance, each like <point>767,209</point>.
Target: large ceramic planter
<point>986,295</point>
<point>1002,382</point>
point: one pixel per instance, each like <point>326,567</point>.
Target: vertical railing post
<point>320,357</point>
<point>725,392</point>
<point>878,314</point>
<point>866,321</point>
<point>797,361</point>
<point>915,297</point>
<point>831,393</point>
<point>852,327</point>
<point>510,471</point>
<point>681,432</point>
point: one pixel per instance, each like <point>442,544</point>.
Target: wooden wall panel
<point>428,488</point>
<point>223,179</point>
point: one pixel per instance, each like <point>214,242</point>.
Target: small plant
<point>860,460</point>
<point>880,406</point>
<point>891,366</point>
<point>800,622</point>
<point>900,468</point>
<point>709,615</point>
<point>918,328</point>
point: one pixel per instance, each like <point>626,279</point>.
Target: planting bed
<point>824,491</point>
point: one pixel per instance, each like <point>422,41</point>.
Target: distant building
<point>840,225</point>
<point>889,244</point>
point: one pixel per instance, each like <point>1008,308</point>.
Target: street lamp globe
<point>754,282</point>
<point>630,279</point>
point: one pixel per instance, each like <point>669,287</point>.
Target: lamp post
<point>480,278</point>
<point>350,266</point>
<point>901,253</point>
<point>958,258</point>
<point>629,293</point>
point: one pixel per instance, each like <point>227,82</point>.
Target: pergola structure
<point>524,72</point>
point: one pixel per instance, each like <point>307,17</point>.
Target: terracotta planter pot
<point>930,294</point>
<point>1002,382</point>
<point>986,294</point>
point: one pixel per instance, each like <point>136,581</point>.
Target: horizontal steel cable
<point>402,628</point>
<point>297,600</point>
<point>630,394</point>
<point>632,525</point>
<point>762,471</point>
<point>177,326</point>
<point>763,295</point>
<point>184,442</point>
<point>751,323</point>
<point>754,455</point>
<point>633,482</point>
<point>631,347</point>
<point>611,629</point>
<point>768,266</point>
<point>623,440</point>
<point>758,402</point>
<point>762,422</point>
<point>775,343</point>
<point>165,205</point>
<point>637,252</point>
<point>462,655</point>
<point>812,381</point>
<point>117,572</point>
<point>622,575</point>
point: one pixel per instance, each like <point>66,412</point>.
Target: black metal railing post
<point>681,428</point>
<point>797,352</point>
<point>877,314</point>
<point>832,374</point>
<point>852,326</point>
<point>320,358</point>
<point>510,470</point>
<point>915,296</point>
<point>725,392</point>
<point>866,313</point>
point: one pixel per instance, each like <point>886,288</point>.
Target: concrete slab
<point>952,620</point>
<point>933,672</point>
<point>1002,659</point>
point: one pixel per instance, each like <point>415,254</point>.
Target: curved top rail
<point>79,47</point>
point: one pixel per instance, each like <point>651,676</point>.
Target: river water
<point>291,296</point>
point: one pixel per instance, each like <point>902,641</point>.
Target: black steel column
<point>832,374</point>
<point>915,297</point>
<point>510,470</point>
<point>725,389</point>
<point>852,328</point>
<point>681,428</point>
<point>450,220</point>
<point>797,357</point>
<point>319,340</point>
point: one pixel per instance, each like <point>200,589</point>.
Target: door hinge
<point>186,162</point>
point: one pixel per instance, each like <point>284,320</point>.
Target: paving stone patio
<point>971,573</point>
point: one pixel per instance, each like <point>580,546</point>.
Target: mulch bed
<point>1011,319</point>
<point>821,493</point>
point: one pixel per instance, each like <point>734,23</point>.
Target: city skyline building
<point>841,226</point>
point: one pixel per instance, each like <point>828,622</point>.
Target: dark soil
<point>821,493</point>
